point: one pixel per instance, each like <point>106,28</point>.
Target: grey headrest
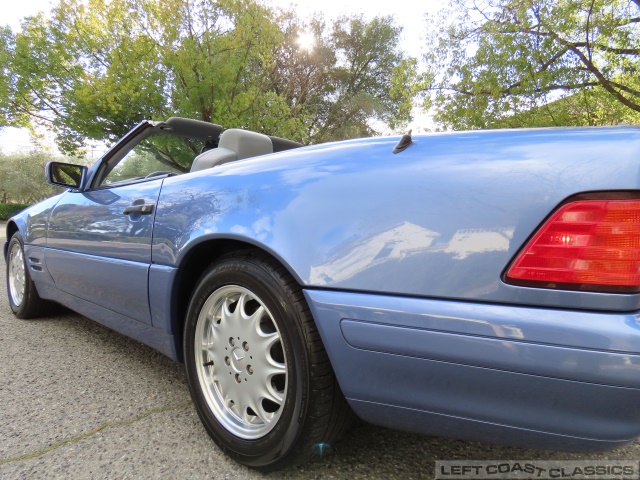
<point>234,144</point>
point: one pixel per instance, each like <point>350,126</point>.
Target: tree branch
<point>507,91</point>
<point>46,101</point>
<point>624,88</point>
<point>589,65</point>
<point>164,157</point>
<point>586,29</point>
<point>629,21</point>
<point>32,114</point>
<point>606,83</point>
<point>605,48</point>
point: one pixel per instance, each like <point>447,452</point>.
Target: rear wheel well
<point>191,269</point>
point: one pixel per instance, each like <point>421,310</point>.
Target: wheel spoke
<point>214,316</point>
<point>226,311</point>
<point>247,417</point>
<point>260,412</point>
<point>275,368</point>
<point>240,308</point>
<point>273,395</point>
<point>254,319</point>
<point>267,341</point>
<point>205,354</point>
<point>209,354</point>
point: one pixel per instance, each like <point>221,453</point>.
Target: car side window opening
<point>159,149</point>
<point>156,156</point>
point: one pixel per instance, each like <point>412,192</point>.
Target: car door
<point>99,239</point>
<point>99,235</point>
<point>99,246</point>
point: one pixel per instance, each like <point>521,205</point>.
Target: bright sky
<point>408,13</point>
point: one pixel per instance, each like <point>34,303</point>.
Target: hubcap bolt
<point>249,369</point>
<point>245,345</point>
<point>238,379</point>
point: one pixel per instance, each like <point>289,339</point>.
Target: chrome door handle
<point>144,209</point>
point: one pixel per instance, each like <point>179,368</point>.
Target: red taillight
<point>590,244</point>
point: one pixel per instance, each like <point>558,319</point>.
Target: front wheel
<point>23,296</point>
<point>258,373</point>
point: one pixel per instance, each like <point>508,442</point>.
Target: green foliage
<point>152,155</point>
<point>8,210</point>
<point>518,63</point>
<point>96,68</point>
<point>22,178</point>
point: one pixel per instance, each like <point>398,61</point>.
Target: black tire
<point>23,296</point>
<point>312,413</point>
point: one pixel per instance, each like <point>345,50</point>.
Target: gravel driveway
<point>80,401</point>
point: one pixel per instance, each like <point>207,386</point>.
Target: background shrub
<point>8,210</point>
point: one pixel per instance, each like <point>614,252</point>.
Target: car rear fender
<point>441,219</point>
<point>170,288</point>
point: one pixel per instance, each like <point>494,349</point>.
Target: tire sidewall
<point>254,276</point>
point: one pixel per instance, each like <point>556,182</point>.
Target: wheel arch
<point>12,228</point>
<point>192,265</point>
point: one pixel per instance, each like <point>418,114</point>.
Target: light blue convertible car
<point>478,285</point>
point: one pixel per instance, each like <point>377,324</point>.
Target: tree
<point>536,62</point>
<point>301,77</point>
<point>98,67</point>
<point>22,177</point>
<point>95,70</point>
<point>371,79</point>
<point>355,76</point>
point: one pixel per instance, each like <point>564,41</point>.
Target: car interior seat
<point>234,144</point>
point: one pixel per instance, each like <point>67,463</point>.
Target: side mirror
<point>65,174</point>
